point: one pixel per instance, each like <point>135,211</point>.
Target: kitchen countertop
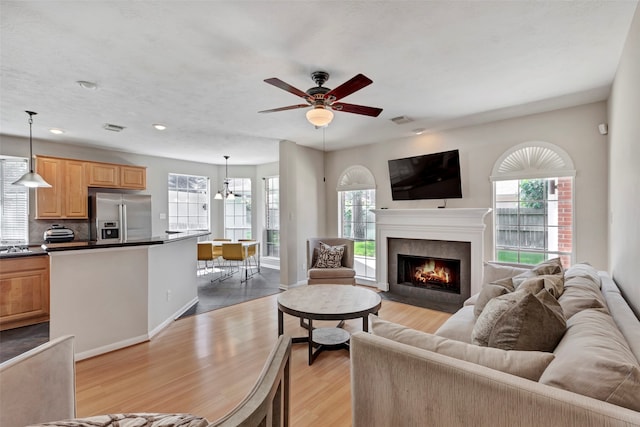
<point>80,245</point>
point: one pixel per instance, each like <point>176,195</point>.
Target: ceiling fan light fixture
<point>319,116</point>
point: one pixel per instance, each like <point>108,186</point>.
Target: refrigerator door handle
<point>125,226</point>
<point>120,223</point>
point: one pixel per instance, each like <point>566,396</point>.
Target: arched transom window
<point>533,188</point>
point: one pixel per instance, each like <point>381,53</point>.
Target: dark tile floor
<point>211,295</point>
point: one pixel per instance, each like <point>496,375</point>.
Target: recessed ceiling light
<point>87,85</point>
<point>418,131</point>
<point>56,131</point>
<point>159,126</point>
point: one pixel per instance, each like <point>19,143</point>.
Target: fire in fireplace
<point>431,273</point>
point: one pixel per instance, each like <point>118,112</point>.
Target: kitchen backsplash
<point>37,227</point>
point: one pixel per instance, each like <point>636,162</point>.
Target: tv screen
<point>430,176</point>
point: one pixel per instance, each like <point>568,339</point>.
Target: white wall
<point>302,214</point>
<point>624,171</point>
<point>573,129</point>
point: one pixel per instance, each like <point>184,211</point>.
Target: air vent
<point>400,120</point>
<point>113,128</point>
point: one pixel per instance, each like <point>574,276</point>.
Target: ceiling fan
<point>323,99</point>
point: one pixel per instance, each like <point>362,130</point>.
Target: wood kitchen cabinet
<point>133,177</point>
<point>107,175</point>
<point>70,180</point>
<point>103,175</point>
<point>68,195</point>
<point>24,291</point>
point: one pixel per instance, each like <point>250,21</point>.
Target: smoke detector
<point>113,128</point>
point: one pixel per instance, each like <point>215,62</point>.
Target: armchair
<point>343,275</point>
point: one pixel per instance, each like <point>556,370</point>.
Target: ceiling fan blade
<point>286,86</point>
<point>290,107</point>
<point>356,109</point>
<point>348,87</point>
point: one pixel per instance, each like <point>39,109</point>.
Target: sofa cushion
<point>594,359</point>
<point>577,298</point>
<point>133,420</point>
<point>490,291</point>
<point>520,321</point>
<point>329,256</point>
<point>525,364</point>
<point>584,270</point>
<point>328,273</point>
<point>459,326</point>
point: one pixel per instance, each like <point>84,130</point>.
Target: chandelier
<point>31,179</point>
<point>225,193</point>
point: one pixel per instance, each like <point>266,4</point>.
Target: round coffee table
<point>327,302</point>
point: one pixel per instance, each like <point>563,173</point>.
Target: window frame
<point>187,204</point>
<point>242,197</point>
<point>21,220</point>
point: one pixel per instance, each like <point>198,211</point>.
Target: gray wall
<point>624,171</point>
<point>573,129</point>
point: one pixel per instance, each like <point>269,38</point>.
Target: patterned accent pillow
<point>329,256</point>
<point>132,420</point>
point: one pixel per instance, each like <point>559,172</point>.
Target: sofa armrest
<point>39,385</point>
<point>397,384</point>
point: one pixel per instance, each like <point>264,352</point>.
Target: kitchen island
<point>113,294</point>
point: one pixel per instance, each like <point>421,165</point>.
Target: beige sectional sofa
<point>404,377</point>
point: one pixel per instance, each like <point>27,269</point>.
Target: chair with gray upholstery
<point>343,275</point>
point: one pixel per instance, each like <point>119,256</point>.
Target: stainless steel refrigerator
<point>118,216</point>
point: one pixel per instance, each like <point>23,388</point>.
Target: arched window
<point>533,204</point>
<point>357,196</point>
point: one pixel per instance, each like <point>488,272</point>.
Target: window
<point>533,205</point>
<point>534,220</point>
<point>14,199</point>
<point>272,216</point>
<point>237,211</point>
<point>188,202</point>
<point>357,196</point>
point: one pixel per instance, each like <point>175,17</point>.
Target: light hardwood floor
<point>206,364</point>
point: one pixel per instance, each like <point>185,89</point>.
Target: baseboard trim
<point>111,347</point>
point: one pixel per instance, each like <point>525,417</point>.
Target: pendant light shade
<point>225,193</point>
<point>31,179</point>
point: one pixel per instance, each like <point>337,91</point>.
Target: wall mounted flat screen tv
<point>429,176</point>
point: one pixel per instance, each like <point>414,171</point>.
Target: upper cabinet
<point>103,175</point>
<point>70,181</point>
<point>133,177</point>
<point>67,197</point>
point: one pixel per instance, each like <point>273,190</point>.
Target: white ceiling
<point>199,66</point>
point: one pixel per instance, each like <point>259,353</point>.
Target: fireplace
<point>429,273</point>
<point>441,274</point>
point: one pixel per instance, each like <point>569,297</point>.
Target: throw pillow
<point>329,256</point>
<point>594,359</point>
<point>554,283</point>
<point>551,266</point>
<point>520,321</point>
<point>490,291</point>
<point>525,364</point>
<point>131,420</point>
<point>493,271</point>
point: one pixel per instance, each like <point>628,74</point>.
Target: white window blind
<point>14,199</point>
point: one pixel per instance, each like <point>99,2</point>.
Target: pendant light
<point>225,193</point>
<point>31,179</point>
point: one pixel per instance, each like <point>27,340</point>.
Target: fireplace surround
<point>440,225</point>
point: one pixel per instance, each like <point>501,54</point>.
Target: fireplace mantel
<point>453,224</point>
